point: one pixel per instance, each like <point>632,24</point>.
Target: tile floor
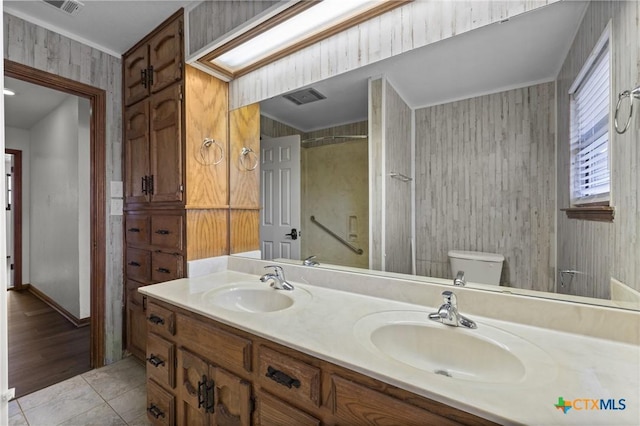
<point>114,395</point>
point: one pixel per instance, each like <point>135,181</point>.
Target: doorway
<point>13,185</point>
<point>97,183</point>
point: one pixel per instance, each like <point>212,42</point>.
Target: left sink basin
<point>255,298</point>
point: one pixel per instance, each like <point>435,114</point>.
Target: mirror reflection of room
<point>483,155</point>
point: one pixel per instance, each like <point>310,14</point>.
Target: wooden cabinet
<point>153,149</point>
<point>224,376</point>
<point>154,63</point>
<point>135,320</point>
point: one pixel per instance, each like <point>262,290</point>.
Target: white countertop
<point>577,366</point>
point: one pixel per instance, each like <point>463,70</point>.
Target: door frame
<point>97,98</point>
<point>17,216</point>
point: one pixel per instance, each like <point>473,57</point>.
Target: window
<point>590,175</point>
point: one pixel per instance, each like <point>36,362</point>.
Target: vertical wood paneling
<point>31,45</point>
<point>484,181</point>
<point>376,171</point>
<point>413,25</point>
<point>603,250</point>
<point>207,233</point>
<point>245,230</point>
<point>397,203</point>
<point>244,127</point>
<point>206,100</point>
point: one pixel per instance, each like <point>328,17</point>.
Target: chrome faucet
<point>448,313</point>
<point>459,279</point>
<point>310,262</point>
<point>278,281</point>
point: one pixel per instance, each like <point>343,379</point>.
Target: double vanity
<point>306,345</point>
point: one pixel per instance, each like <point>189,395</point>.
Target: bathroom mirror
<point>462,88</point>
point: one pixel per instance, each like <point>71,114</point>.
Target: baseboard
<point>54,305</point>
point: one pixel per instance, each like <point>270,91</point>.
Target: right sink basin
<point>487,354</point>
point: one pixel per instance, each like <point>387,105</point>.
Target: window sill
<point>594,213</point>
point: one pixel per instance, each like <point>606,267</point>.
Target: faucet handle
<point>449,297</point>
<point>277,269</point>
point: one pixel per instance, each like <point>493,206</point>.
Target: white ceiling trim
<point>61,31</point>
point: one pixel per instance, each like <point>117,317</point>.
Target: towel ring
<point>631,94</point>
<point>246,153</point>
<point>205,154</point>
<point>621,96</point>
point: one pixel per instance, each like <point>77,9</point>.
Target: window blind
<point>590,175</point>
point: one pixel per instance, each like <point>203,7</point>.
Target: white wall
<point>19,139</point>
<point>84,207</point>
<point>56,215</point>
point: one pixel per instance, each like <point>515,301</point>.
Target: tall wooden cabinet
<point>176,160</point>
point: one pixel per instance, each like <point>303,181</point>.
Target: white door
<point>280,197</point>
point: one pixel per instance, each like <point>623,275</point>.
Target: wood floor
<point>44,348</point>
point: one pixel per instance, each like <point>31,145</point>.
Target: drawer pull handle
<point>156,319</point>
<point>162,232</point>
<point>155,412</point>
<point>155,361</point>
<point>136,264</point>
<point>133,229</point>
<point>282,378</point>
<point>163,270</point>
<point>202,391</point>
<point>211,402</point>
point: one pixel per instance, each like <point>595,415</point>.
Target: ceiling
<point>111,26</point>
<point>527,49</point>
<point>30,104</point>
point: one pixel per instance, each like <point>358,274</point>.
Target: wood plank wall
<point>397,202</point>
<point>408,27</point>
<point>603,250</point>
<point>37,47</point>
<point>376,180</point>
<point>485,182</point>
<point>211,20</point>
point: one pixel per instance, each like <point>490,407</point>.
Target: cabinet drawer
<point>288,376</point>
<point>160,320</point>
<point>357,404</point>
<point>225,349</point>
<point>272,412</point>
<point>166,231</point>
<point>160,405</point>
<point>136,229</point>
<point>161,360</point>
<point>138,264</point>
<point>166,267</point>
<point>134,295</point>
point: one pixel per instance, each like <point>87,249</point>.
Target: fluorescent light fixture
<point>8,92</point>
<point>304,25</point>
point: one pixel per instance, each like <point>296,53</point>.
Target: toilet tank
<point>478,267</point>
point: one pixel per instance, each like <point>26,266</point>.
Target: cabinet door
<point>165,146</point>
<point>232,399</point>
<point>166,267</point>
<point>160,405</point>
<point>193,379</point>
<point>136,85</point>
<point>136,229</point>
<point>136,321</point>
<point>270,411</point>
<point>165,56</point>
<point>136,166</point>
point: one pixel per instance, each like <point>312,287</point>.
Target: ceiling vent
<point>70,7</point>
<point>304,96</point>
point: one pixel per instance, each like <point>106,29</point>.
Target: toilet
<point>478,267</point>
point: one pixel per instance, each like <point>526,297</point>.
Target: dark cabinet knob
<point>155,361</point>
<point>282,378</point>
<point>155,411</point>
<point>156,319</point>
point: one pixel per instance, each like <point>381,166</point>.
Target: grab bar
<point>337,237</point>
